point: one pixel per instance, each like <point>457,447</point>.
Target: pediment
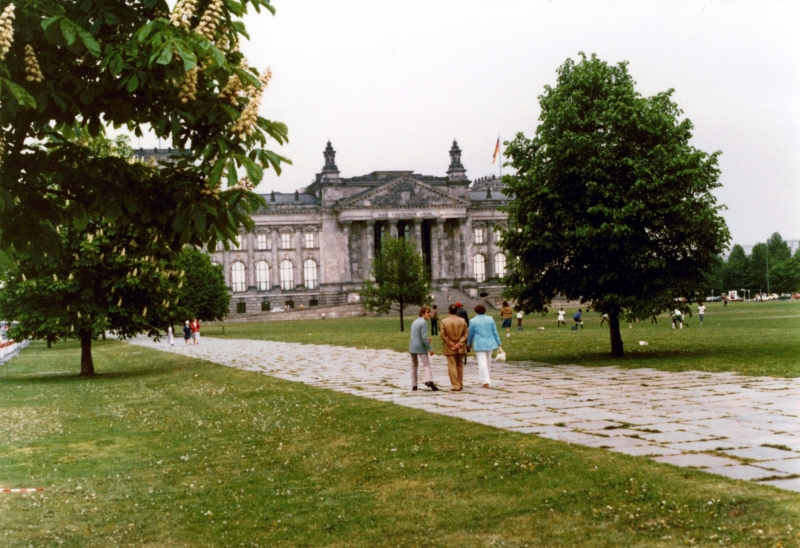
<point>401,193</point>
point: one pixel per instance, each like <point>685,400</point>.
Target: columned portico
<point>339,222</point>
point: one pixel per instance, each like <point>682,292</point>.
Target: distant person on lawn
<point>195,329</point>
<point>435,321</point>
<point>420,348</point>
<point>187,332</point>
<point>701,311</point>
<point>454,339</point>
<point>483,337</point>
<point>506,313</point>
<point>561,318</point>
<point>519,320</point>
<point>578,320</point>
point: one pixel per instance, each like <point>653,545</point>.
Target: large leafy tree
<point>203,294</point>
<point>70,65</point>
<point>611,204</point>
<point>736,274</point>
<point>400,278</point>
<point>104,279</point>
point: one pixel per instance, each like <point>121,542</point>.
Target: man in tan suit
<point>453,331</point>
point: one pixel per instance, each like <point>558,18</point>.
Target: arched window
<point>262,275</point>
<point>479,262</point>
<point>287,274</point>
<point>310,274</point>
<point>237,277</point>
<point>500,265</point>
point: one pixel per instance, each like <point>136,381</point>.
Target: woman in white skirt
<point>484,339</point>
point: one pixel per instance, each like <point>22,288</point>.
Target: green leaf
<point>188,56</point>
<point>254,171</point>
<point>89,41</point>
<point>47,22</point>
<point>166,54</point>
<point>133,83</point>
<point>69,30</point>
<point>216,173</point>
<point>19,93</point>
<point>233,178</point>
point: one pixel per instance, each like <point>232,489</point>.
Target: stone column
<point>417,224</point>
<point>298,252</point>
<point>274,273</point>
<point>435,238</point>
<point>457,237</point>
<point>348,275</point>
<point>490,250</point>
<point>393,228</point>
<point>226,267</point>
<point>469,251</point>
<point>370,249</point>
<point>251,263</point>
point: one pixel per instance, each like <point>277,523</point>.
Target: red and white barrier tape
<point>22,490</point>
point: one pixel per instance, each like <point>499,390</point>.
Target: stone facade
<point>314,247</point>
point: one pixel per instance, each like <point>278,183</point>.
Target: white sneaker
<point>508,334</point>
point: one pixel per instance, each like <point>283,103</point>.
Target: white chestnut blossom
<point>6,30</point>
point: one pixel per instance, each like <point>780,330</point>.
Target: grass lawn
<point>749,338</point>
<point>163,451</point>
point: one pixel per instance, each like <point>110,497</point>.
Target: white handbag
<point>501,355</point>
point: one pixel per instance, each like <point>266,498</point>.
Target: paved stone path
<point>724,423</point>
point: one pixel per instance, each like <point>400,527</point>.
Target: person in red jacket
<point>195,329</point>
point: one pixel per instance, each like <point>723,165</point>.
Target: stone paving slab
<point>694,413</point>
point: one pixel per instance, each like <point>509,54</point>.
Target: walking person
<point>435,321</point>
<point>195,329</point>
<point>454,339</point>
<point>561,318</point>
<point>463,315</point>
<point>483,337</point>
<point>187,332</point>
<point>506,313</point>
<point>701,311</point>
<point>519,320</point>
<point>170,336</point>
<point>420,348</point>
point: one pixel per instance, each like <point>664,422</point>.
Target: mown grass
<point>748,338</point>
<point>165,451</point>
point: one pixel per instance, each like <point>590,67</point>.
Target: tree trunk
<point>616,337</point>
<point>104,334</point>
<point>87,365</point>
<point>402,324</point>
<point>49,343</point>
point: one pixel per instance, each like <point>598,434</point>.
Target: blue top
<point>483,334</point>
<point>419,337</point>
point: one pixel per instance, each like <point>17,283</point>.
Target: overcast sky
<point>391,84</point>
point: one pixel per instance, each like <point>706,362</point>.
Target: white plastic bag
<point>501,355</point>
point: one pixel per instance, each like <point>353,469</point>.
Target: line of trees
<point>743,271</point>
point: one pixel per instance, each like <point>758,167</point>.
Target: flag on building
<point>496,150</point>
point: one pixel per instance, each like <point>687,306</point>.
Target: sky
<point>391,84</point>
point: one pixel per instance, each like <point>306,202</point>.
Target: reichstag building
<point>314,247</point>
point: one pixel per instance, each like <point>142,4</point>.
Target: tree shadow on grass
<point>72,376</point>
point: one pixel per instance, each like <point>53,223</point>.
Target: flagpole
<point>500,157</point>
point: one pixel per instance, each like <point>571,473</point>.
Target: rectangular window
<point>286,240</point>
<point>241,307</point>
<point>311,240</point>
<point>480,234</point>
<point>265,305</point>
<point>261,242</point>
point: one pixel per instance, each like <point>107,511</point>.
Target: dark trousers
<point>434,327</point>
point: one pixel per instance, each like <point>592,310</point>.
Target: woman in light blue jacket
<point>483,338</point>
